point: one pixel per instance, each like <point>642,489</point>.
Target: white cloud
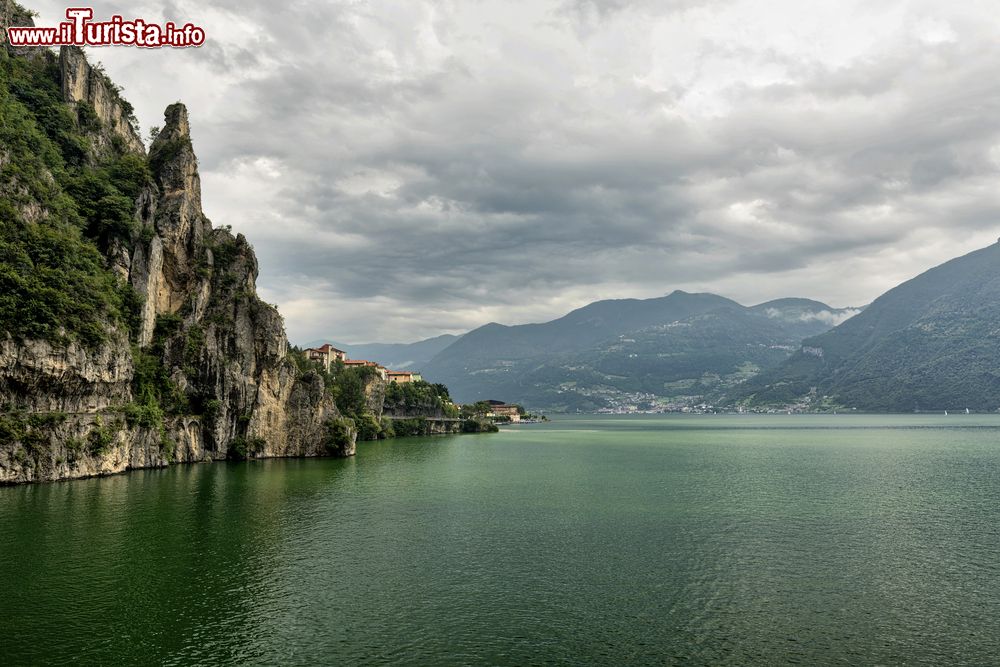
<point>833,319</point>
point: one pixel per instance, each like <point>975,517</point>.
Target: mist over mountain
<point>676,349</point>
<point>805,317</point>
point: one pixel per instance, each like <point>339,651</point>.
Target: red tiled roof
<point>324,349</point>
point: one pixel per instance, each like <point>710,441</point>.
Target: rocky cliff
<point>91,90</point>
<point>194,365</point>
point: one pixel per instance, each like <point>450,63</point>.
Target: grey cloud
<point>409,168</point>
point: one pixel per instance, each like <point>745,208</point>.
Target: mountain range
<point>671,350</point>
<point>932,343</point>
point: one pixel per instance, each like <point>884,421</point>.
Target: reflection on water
<point>747,540</point>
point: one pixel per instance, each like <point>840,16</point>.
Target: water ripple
<point>618,541</point>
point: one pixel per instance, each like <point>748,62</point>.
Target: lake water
<point>613,540</point>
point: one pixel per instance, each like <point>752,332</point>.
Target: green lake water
<point>610,540</point>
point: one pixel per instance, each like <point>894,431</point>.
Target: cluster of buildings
<point>327,355</point>
<point>501,409</point>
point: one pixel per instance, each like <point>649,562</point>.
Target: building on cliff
<point>403,377</point>
<point>380,370</point>
<point>326,354</point>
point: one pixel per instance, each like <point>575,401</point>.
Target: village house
<point>359,363</point>
<point>327,355</point>
<point>404,377</point>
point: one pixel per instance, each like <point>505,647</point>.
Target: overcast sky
<point>411,168</point>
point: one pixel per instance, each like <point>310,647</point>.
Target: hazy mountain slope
<point>681,347</point>
<point>577,330</point>
<point>497,360</point>
<point>931,343</point>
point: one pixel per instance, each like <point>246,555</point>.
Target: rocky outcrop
<point>227,349</point>
<point>175,262</point>
<point>181,259</point>
<point>304,421</point>
<point>84,84</point>
<point>39,375</point>
<point>375,395</point>
<point>206,375</point>
<point>54,446</point>
<point>13,14</point>
<point>227,343</point>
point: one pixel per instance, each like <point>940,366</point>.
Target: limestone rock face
<point>291,418</point>
<point>219,351</point>
<point>42,376</point>
<point>228,350</point>
<point>179,222</point>
<point>375,395</point>
<point>79,445</point>
<point>176,261</point>
<point>83,83</point>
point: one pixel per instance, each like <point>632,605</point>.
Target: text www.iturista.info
<point>79,30</point>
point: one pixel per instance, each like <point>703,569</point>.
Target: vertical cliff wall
<point>220,346</point>
<point>187,363</point>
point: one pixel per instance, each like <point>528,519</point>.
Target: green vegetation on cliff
<point>57,209</point>
<point>419,397</point>
<point>378,409</point>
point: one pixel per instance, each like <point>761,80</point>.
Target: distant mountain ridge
<point>680,347</point>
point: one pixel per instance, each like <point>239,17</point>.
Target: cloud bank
<point>411,168</point>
